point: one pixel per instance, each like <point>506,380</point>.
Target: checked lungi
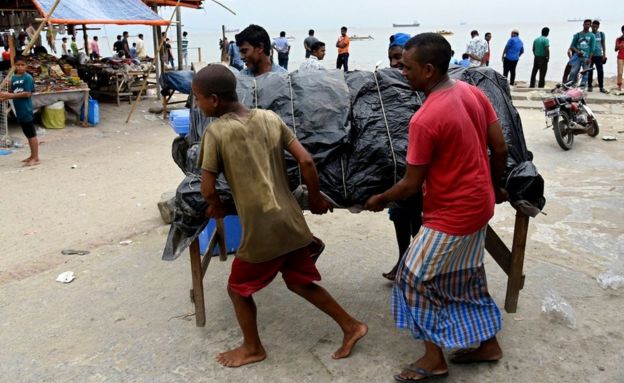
<point>441,292</point>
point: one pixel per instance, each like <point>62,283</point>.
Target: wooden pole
<point>224,47</point>
<point>31,42</point>
<point>179,37</point>
<point>149,70</point>
<point>86,40</point>
<point>12,50</point>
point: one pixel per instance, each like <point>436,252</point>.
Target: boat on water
<point>414,24</point>
<point>444,32</point>
<point>232,30</point>
<point>359,38</point>
<point>580,20</point>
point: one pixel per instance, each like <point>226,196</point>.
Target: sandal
<point>426,375</point>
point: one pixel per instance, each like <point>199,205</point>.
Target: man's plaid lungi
<point>441,292</point>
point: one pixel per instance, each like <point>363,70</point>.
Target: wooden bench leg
<point>198,284</point>
<point>515,279</point>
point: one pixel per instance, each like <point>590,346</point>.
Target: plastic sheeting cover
<point>100,10</point>
<point>179,81</point>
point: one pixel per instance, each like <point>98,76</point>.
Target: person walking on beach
<point>488,37</point>
<point>440,293</point>
<point>308,42</point>
<point>477,49</point>
<point>582,47</point>
<point>282,47</point>
<point>248,147</point>
<point>185,46</point>
<point>541,51</point>
<point>599,58</point>
<point>343,50</point>
<point>511,55</point>
<point>406,220</point>
<point>254,46</point>
<point>22,87</point>
<point>314,61</point>
<point>619,48</point>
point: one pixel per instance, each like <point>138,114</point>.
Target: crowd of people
<point>588,49</point>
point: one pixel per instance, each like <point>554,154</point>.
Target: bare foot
<point>31,162</point>
<point>26,159</point>
<point>488,351</point>
<point>241,356</point>
<point>357,332</point>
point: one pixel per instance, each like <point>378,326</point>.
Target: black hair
<point>596,22</point>
<point>587,21</point>
<point>343,28</point>
<point>474,33</point>
<point>125,33</point>
<point>134,44</point>
<point>118,37</point>
<point>216,79</point>
<point>317,45</point>
<point>487,33</point>
<point>282,34</point>
<point>141,35</point>
<point>73,38</point>
<point>622,28</point>
<point>432,49</point>
<point>256,36</point>
<point>64,38</point>
<point>20,58</point>
<point>545,31</point>
<point>185,33</point>
<point>465,56</point>
<point>95,38</point>
<point>311,32</point>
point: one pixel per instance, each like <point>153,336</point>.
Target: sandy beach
<point>127,315</point>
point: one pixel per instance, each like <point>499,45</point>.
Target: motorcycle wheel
<point>594,129</point>
<point>561,127</point>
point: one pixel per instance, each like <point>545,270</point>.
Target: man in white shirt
<point>282,47</point>
<point>477,49</point>
<point>314,61</point>
<point>140,47</point>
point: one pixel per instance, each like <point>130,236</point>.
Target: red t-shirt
<point>619,42</point>
<point>449,133</point>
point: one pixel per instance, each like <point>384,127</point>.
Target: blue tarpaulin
<point>100,12</point>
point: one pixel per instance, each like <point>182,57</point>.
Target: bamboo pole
<point>32,41</point>
<point>149,70</point>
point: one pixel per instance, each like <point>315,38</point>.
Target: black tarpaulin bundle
<point>356,130</point>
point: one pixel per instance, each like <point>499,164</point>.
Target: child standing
<point>248,147</point>
<point>22,86</point>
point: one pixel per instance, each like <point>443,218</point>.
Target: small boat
<point>232,30</point>
<point>290,38</point>
<point>414,24</point>
<point>580,20</point>
<point>444,32</point>
<point>359,38</point>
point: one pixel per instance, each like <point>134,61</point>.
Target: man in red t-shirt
<point>440,292</point>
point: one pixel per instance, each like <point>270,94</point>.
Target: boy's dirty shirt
<point>250,152</point>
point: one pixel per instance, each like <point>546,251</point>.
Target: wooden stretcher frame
<point>511,261</point>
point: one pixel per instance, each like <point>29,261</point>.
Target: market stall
<point>115,78</point>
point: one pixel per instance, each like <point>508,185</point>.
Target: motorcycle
<point>569,113</point>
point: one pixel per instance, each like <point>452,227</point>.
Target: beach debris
<point>609,138</point>
<point>139,204</point>
<point>166,206</point>
<point>558,310</point>
<point>125,243</point>
<point>5,152</point>
<point>74,166</point>
<point>610,280</point>
<point>66,277</point>
<point>74,252</point>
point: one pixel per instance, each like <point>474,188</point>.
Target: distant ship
<point>414,24</point>
<point>356,37</point>
<point>444,32</point>
<point>579,20</point>
<point>231,30</point>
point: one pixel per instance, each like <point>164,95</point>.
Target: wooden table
<point>511,261</point>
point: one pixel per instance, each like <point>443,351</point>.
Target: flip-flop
<point>426,375</point>
<point>389,276</point>
<point>459,357</point>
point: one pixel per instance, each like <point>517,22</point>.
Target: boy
<point>465,61</point>
<point>248,147</point>
<point>22,86</point>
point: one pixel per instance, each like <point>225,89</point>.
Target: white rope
<point>383,110</point>
<point>294,123</point>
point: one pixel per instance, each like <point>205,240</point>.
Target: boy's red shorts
<point>297,268</point>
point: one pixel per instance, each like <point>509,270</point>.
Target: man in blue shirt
<point>22,87</point>
<point>283,49</point>
<point>511,54</point>
<point>599,57</point>
<point>254,46</point>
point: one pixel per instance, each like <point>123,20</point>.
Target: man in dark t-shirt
<point>308,42</point>
<point>118,47</point>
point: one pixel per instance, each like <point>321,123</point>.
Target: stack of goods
<point>356,130</point>
<point>53,75</point>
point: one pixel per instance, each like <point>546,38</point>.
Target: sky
<point>296,14</point>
